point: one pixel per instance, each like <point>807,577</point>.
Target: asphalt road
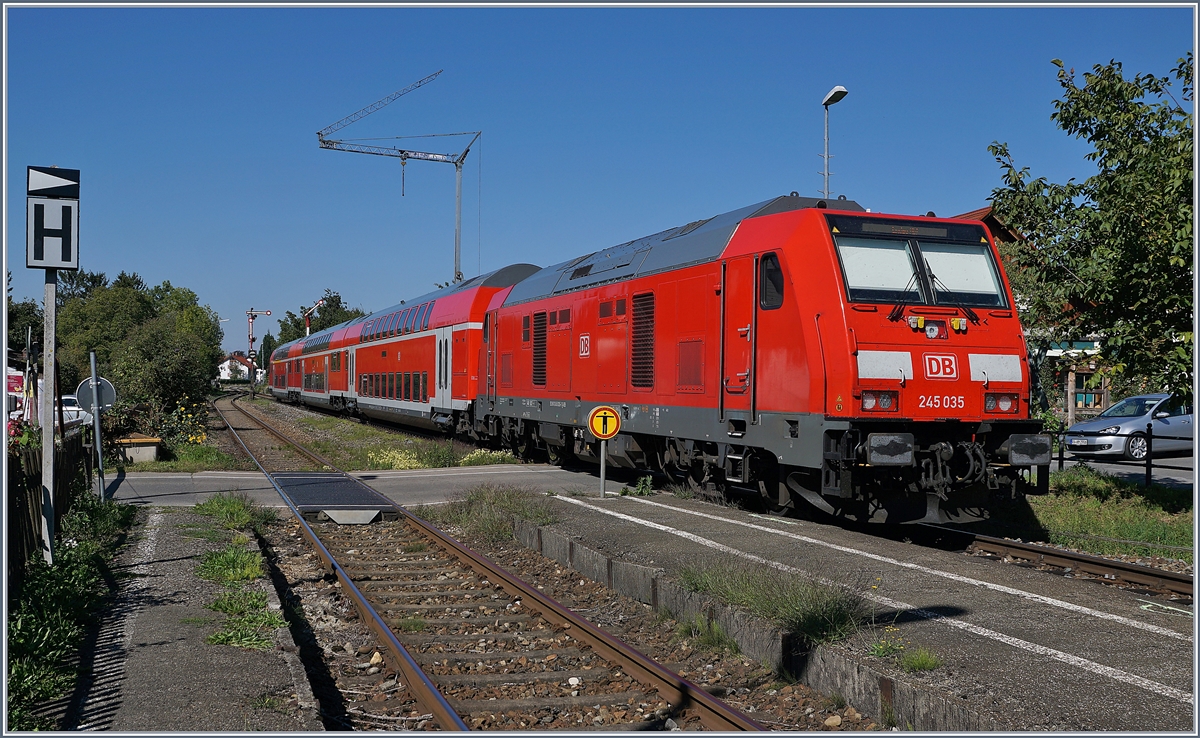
<point>408,488</point>
<point>433,486</point>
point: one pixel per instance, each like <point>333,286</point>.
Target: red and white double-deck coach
<point>870,364</point>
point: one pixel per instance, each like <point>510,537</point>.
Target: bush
<point>47,617</point>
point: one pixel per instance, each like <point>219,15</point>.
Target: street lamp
<point>836,94</point>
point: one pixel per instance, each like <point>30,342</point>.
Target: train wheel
<point>557,455</point>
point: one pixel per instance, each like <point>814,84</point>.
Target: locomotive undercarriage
<point>955,471</point>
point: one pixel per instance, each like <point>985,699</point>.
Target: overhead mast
<point>404,155</point>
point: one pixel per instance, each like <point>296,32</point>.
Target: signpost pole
<point>47,419</point>
<point>96,426</point>
<point>603,460</point>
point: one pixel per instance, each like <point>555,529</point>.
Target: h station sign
<point>52,219</point>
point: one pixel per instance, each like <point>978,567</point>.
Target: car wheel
<point>1135,447</point>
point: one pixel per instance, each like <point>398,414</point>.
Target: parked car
<point>1121,429</point>
<point>72,413</point>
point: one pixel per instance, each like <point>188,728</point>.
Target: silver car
<point>1121,429</point>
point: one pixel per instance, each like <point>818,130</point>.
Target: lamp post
<point>834,95</point>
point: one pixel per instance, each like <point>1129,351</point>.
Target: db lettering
<point>941,366</point>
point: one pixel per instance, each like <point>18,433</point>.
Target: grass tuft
<point>706,633</point>
<point>235,511</point>
<point>814,610</point>
<point>411,625</point>
<point>489,510</point>
<point>239,602</point>
<point>920,659</point>
<point>230,564</point>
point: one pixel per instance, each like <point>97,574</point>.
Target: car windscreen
<point>1131,407</point>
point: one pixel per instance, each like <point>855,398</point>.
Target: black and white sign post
<point>51,243</point>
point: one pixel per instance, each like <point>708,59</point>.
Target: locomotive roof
<point>694,243</point>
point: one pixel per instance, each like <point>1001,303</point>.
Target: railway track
<point>468,641</point>
<point>1107,570</point>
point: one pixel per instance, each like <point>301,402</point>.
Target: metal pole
<point>47,418</point>
<point>826,190</point>
<point>603,460</point>
<point>96,428</point>
<point>1149,449</point>
<point>457,221</point>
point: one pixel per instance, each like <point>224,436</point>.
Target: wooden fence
<point>72,465</point>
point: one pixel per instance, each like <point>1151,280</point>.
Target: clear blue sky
<point>195,128</point>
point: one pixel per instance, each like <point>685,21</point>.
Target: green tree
<point>1112,255</point>
<point>157,345</point>
<point>333,312</point>
<point>265,349</point>
<point>21,315</point>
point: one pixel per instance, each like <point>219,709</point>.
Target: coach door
<point>737,338</point>
<point>490,336</point>
<point>440,397</point>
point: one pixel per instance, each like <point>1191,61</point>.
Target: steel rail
<point>681,693</point>
<point>1108,568</point>
<point>419,685</point>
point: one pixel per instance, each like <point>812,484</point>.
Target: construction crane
<point>404,155</point>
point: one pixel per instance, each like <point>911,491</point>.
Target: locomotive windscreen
<point>891,260</point>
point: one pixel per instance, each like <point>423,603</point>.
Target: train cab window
<point>880,270</point>
<point>428,314</point>
<point>564,315</point>
<point>621,307</point>
<point>606,309</point>
<point>770,283</point>
<point>420,317</point>
<point>553,319</point>
<point>962,274</point>
<point>524,329</point>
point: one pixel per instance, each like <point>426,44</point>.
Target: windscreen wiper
<point>897,311</point>
<point>971,315</point>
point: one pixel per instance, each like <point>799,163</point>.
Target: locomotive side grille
<point>539,349</point>
<point>643,341</point>
<point>506,370</point>
<point>691,365</point>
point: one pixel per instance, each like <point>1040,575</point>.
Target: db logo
<point>941,366</point>
<point>585,344</point>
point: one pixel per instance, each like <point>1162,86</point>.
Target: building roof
<point>999,231</point>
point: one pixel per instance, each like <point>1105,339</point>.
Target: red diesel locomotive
<point>872,365</point>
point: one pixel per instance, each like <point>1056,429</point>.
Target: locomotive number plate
<point>950,402</point>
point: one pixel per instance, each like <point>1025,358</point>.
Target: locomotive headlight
<point>868,400</point>
<point>885,400</point>
<point>1001,402</point>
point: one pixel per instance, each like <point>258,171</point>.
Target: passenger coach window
<point>428,313</point>
<point>770,283</point>
<point>420,317</point>
<point>408,322</point>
